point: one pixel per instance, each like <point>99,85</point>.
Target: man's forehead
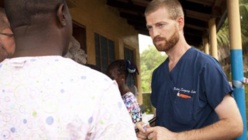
<point>162,12</point>
<point>160,15</point>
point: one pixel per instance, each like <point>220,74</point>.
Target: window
<point>129,54</point>
<point>105,52</point>
<point>79,32</point>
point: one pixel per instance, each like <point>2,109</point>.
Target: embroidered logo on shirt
<point>185,96</point>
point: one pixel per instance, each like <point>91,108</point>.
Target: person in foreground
<point>7,42</point>
<point>119,70</point>
<point>190,91</point>
<point>46,96</point>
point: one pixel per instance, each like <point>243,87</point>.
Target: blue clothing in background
<point>186,96</point>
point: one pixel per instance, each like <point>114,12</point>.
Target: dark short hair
<point>125,67</point>
<point>22,12</point>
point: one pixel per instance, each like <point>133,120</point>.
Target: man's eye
<point>160,25</point>
<point>149,28</point>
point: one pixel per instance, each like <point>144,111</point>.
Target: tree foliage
<point>149,60</point>
<point>223,33</point>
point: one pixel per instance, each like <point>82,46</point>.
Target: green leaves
<point>223,33</point>
<point>149,60</point>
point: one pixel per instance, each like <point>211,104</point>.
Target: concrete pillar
<point>213,38</point>
<point>140,96</point>
<point>237,60</point>
<point>206,45</point>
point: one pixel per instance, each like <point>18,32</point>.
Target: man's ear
<point>61,15</point>
<point>180,21</point>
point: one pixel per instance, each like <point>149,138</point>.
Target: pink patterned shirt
<point>132,106</point>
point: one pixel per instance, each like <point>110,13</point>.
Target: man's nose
<point>154,32</point>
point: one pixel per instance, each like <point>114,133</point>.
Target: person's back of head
<point>173,6</point>
<point>41,27</point>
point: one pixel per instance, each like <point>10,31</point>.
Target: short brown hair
<point>174,7</point>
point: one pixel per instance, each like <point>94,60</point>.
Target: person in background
<point>119,70</point>
<point>134,90</point>
<point>46,96</point>
<point>75,52</point>
<point>190,91</point>
<point>7,42</point>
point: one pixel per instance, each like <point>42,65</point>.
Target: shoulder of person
<point>161,66</point>
<point>90,75</point>
<point>205,58</point>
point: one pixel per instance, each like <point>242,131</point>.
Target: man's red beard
<point>168,43</point>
